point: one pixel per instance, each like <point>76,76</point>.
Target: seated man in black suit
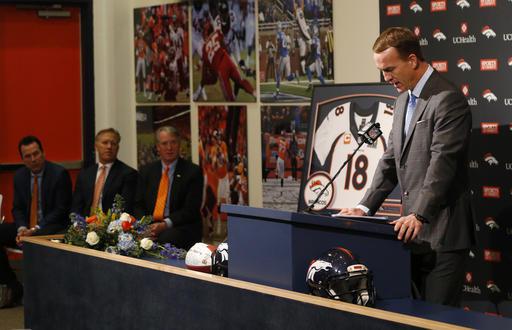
<point>97,185</point>
<point>171,190</point>
<point>42,197</point>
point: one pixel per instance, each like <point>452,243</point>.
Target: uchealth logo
<point>438,35</point>
<point>489,96</point>
<point>491,192</point>
<point>315,184</point>
<point>417,31</point>
<point>488,32</point>
<point>464,28</point>
<point>487,3</point>
<point>415,7</point>
<point>507,102</point>
<point>489,64</point>
<point>463,65</point>
<point>491,223</point>
<point>492,255</point>
<point>437,5</point>
<point>441,66</point>
<point>507,36</point>
<point>490,159</point>
<point>463,4</point>
<point>469,277</point>
<point>465,89</point>
<point>392,10</point>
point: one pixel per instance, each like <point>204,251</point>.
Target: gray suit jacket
<point>431,165</point>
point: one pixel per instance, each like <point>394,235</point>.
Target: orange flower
<point>132,219</point>
<point>91,219</point>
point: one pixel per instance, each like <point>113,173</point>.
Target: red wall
<point>40,88</point>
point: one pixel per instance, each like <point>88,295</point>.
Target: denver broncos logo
<point>317,266</point>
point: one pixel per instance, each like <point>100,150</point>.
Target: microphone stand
<point>309,209</point>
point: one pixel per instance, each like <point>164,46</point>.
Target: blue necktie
<point>411,105</point>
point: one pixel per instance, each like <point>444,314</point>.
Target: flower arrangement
<point>118,232</point>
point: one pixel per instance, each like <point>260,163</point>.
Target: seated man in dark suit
<point>42,197</point>
<point>171,190</point>
<point>97,185</point>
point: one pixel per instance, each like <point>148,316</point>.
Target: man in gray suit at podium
<point>427,156</point>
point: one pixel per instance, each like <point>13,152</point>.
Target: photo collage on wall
<point>204,52</point>
<point>283,145</point>
<point>223,158</point>
<point>296,42</point>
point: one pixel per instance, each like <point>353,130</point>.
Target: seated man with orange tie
<point>42,197</point>
<point>171,190</point>
<point>97,185</point>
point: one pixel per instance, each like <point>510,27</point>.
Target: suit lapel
<point>421,105</point>
<point>176,181</point>
<point>111,177</point>
<point>155,176</point>
<point>400,114</point>
<point>90,182</point>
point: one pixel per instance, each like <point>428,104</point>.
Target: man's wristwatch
<point>420,218</point>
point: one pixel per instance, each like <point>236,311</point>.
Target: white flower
<point>125,217</point>
<point>146,243</point>
<point>92,238</point>
<point>114,226</point>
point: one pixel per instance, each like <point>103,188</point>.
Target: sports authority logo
<point>465,89</point>
<point>491,223</point>
<point>492,255</point>
<point>415,7</point>
<point>316,183</point>
<point>463,4</point>
<point>438,35</point>
<point>392,10</point>
<point>441,66</point>
<point>489,96</point>
<point>437,5</point>
<point>489,128</point>
<point>487,3</point>
<point>463,65</point>
<point>488,32</point>
<point>489,64</point>
<point>491,192</point>
<point>490,159</point>
<point>493,287</point>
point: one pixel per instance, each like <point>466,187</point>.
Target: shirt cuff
<point>363,208</point>
<point>168,222</point>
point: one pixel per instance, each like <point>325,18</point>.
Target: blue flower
<point>125,242</point>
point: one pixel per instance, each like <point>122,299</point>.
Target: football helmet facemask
<point>220,260</point>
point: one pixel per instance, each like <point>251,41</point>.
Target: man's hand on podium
<point>408,227</point>
<point>352,211</point>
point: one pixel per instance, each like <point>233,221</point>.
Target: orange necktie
<point>98,188</point>
<point>163,188</point>
<point>34,203</point>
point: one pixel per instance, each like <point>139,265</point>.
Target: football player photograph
<point>427,157</point>
<point>97,185</point>
<point>171,190</point>
<point>42,198</point>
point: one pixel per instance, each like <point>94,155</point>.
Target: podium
<point>275,248</point>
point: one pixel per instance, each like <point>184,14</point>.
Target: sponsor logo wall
<point>470,42</point>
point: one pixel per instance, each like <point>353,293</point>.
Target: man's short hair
<point>29,139</point>
<point>401,38</point>
<point>109,130</point>
<point>168,129</point>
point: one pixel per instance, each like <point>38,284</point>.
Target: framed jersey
<point>338,112</point>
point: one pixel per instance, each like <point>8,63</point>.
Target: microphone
<point>368,134</point>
